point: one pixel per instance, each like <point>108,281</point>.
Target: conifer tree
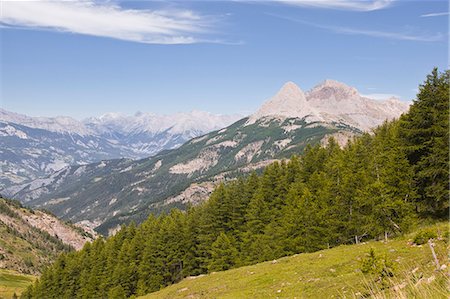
<point>117,292</point>
<point>425,131</point>
<point>223,254</point>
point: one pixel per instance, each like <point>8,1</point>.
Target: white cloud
<point>356,5</point>
<point>436,14</point>
<point>366,32</point>
<point>106,20</point>
<point>391,35</point>
<point>380,96</point>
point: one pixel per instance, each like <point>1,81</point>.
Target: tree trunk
<point>436,261</point>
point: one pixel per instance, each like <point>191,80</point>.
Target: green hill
<point>330,273</point>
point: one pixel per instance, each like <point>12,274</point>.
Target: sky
<point>88,58</point>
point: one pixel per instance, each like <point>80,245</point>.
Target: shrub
<point>381,266</point>
<point>423,236</point>
<point>28,262</point>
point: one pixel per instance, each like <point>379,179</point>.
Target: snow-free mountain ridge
<point>330,102</point>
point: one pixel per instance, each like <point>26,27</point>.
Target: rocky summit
<point>330,102</point>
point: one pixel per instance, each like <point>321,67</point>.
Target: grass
<point>13,282</point>
<point>434,286</point>
<point>332,273</point>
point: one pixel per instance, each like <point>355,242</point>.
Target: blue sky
<point>89,58</point>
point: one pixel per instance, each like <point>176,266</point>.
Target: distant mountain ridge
<point>112,192</point>
<point>33,147</point>
<point>124,124</point>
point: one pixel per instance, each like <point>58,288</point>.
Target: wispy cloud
<point>356,5</point>
<point>107,20</point>
<point>436,14</point>
<point>381,96</point>
<point>384,34</point>
<point>366,32</point>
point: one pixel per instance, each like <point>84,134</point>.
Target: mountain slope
<point>331,273</point>
<point>31,240</point>
<point>33,147</point>
<point>111,192</point>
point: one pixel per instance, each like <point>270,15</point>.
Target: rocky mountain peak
<point>290,90</point>
<point>330,102</point>
<point>331,89</point>
<point>290,101</point>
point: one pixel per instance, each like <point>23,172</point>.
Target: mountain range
<point>108,193</point>
<point>33,147</point>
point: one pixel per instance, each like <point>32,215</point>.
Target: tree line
<point>377,186</point>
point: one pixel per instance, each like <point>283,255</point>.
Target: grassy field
<point>332,273</point>
<point>12,282</point>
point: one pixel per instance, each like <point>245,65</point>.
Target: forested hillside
<point>376,187</point>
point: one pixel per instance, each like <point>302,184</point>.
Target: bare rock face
<point>74,236</point>
<point>333,90</point>
<point>53,226</point>
<point>194,194</point>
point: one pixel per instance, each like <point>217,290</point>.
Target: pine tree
<point>117,292</point>
<point>224,255</point>
<point>425,132</point>
<point>391,189</point>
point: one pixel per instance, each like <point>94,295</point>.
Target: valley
<point>109,193</point>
